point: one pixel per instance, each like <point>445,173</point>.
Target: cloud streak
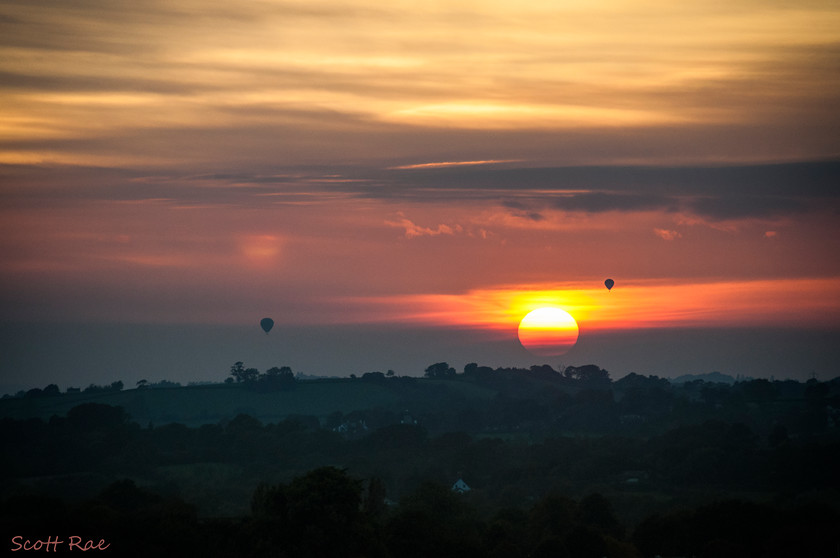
<point>702,83</point>
<point>413,231</point>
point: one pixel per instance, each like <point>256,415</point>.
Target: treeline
<point>713,455</point>
<point>586,399</point>
<point>329,513</point>
<point>275,378</point>
<point>535,403</point>
<point>52,390</point>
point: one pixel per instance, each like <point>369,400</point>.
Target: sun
<point>548,331</point>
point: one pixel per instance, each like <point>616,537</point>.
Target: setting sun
<point>548,331</point>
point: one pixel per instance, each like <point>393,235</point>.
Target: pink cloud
<point>413,231</point>
<point>666,234</point>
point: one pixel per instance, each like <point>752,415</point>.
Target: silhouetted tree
<point>324,514</point>
<point>588,374</point>
<point>51,391</point>
<point>276,379</point>
<point>374,504</point>
<point>94,416</point>
<point>242,374</point>
<point>433,521</point>
<point>544,372</point>
<point>269,501</point>
<point>237,370</point>
<point>440,370</point>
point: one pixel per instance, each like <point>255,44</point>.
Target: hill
<point>210,404</point>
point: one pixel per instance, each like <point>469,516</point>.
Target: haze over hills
<point>278,394</point>
<point>79,355</point>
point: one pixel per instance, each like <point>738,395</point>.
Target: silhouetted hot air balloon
<point>266,324</point>
<point>609,284</point>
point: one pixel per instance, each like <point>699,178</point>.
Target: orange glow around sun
<point>548,331</point>
<point>632,304</point>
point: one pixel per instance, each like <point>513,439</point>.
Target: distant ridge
<point>712,377</point>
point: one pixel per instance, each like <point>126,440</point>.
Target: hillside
<point>211,404</point>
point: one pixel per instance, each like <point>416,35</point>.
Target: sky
<point>398,184</point>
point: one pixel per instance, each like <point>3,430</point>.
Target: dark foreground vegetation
<point>488,462</point>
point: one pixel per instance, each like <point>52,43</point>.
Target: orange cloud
<point>630,305</point>
<point>413,231</point>
<point>454,164</point>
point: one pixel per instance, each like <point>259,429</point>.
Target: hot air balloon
<point>266,324</point>
<point>609,284</point>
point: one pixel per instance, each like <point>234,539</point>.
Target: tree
<point>93,416</point>
<point>279,372</point>
<point>269,501</point>
<point>242,374</point>
<point>589,374</point>
<point>440,370</point>
<point>324,514</point>
<point>374,504</point>
<point>433,521</point>
<point>277,379</point>
<point>544,371</point>
<point>51,390</point>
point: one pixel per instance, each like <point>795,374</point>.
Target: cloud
<point>709,193</point>
<point>452,164</point>
<point>278,82</point>
<point>599,202</point>
<point>666,234</point>
<point>720,197</point>
<point>413,231</point>
<point>734,207</point>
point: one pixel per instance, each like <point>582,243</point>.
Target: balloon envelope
<point>266,324</point>
<point>609,284</point>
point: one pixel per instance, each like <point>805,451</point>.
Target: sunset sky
<point>398,184</point>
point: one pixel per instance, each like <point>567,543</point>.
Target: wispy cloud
<point>413,230</point>
<point>666,234</point>
<point>150,83</point>
<point>454,164</point>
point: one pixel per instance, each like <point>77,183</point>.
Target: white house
<point>460,486</point>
